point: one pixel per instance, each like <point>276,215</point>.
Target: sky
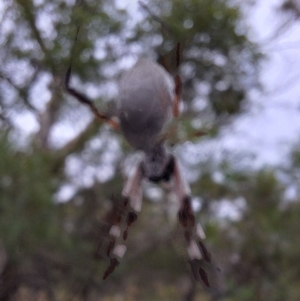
<point>273,123</point>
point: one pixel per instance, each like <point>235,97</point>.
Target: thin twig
<point>164,26</point>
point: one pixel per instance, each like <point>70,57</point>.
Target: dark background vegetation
<point>51,250</point>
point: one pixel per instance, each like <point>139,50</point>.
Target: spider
<point>148,97</point>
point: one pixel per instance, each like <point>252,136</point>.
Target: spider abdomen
<point>145,103</point>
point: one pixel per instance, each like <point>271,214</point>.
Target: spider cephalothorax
<point>147,97</point>
<point>155,163</point>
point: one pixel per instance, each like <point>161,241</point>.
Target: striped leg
<point>125,216</point>
<point>193,232</point>
<point>178,84</point>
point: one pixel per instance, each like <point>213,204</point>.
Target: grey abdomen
<point>144,103</point>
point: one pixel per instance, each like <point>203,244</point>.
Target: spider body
<point>147,97</point>
<point>144,105</point>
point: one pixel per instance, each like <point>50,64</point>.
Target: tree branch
<point>23,92</point>
<point>47,119</point>
<point>78,142</point>
<point>28,12</point>
<point>75,145</point>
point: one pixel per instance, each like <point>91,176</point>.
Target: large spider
<point>148,97</point>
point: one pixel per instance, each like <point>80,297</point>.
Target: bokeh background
<point>61,172</point>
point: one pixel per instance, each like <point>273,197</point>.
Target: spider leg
<point>133,189</point>
<point>86,101</point>
<point>125,216</point>
<point>193,232</point>
<point>178,85</point>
